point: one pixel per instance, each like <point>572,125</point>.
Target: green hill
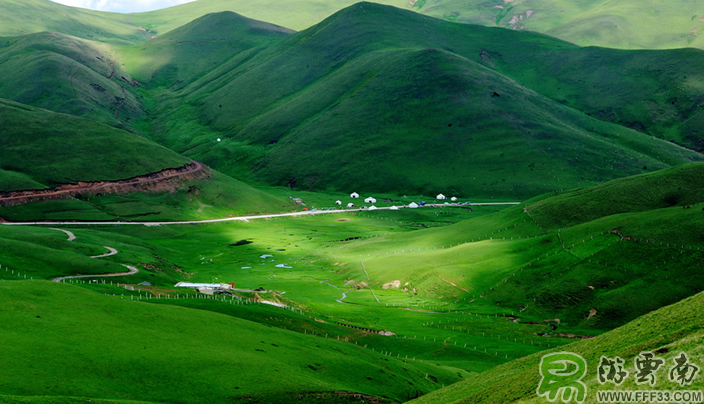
<point>191,51</point>
<point>651,24</point>
<point>306,112</point>
<point>43,148</point>
<point>22,17</point>
<point>307,13</point>
<point>69,75</point>
<point>667,332</point>
<point>68,341</point>
<point>261,104</point>
<point>595,257</point>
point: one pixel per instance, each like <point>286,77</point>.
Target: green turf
<point>108,351</point>
<point>70,75</point>
<point>651,24</point>
<point>43,147</point>
<point>447,89</point>
<point>668,332</point>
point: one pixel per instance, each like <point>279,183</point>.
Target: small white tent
<point>370,200</point>
<point>350,205</point>
<point>373,207</point>
<point>354,195</point>
<point>441,197</point>
<point>338,203</point>
<point>453,199</point>
<point>412,205</point>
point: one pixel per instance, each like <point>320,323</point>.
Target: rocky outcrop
<point>169,180</point>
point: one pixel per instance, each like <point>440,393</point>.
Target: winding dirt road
<point>132,271</point>
<point>111,250</point>
<point>70,234</point>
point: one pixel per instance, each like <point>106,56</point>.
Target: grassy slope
<point>21,17</point>
<point>47,148</point>
<point>109,348</point>
<point>653,24</point>
<point>190,51</point>
<point>555,256</point>
<point>668,331</point>
<point>307,13</point>
<point>66,74</point>
<point>320,90</point>
<point>18,17</point>
<point>654,92</point>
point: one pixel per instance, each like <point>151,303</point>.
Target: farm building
<point>206,288</point>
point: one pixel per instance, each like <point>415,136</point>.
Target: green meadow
<point>462,291</point>
<point>586,122</point>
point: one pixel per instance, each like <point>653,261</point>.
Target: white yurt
<point>412,205</point>
<point>441,197</point>
<point>370,200</point>
<point>354,195</point>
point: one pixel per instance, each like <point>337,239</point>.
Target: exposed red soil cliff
<point>165,180</point>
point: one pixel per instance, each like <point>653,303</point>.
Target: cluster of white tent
<point>372,200</point>
<point>442,197</point>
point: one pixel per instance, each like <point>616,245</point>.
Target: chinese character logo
<point>683,372</point>
<point>646,365</point>
<point>612,370</point>
<point>561,374</point>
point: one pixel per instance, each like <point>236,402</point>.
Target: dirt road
<point>228,219</point>
<point>132,271</point>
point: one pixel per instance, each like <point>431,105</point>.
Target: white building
<point>350,205</point>
<point>441,197</point>
<point>220,286</point>
<point>338,203</point>
<point>413,205</point>
<point>453,199</point>
<point>354,195</point>
<point>373,207</point>
<point>370,200</point>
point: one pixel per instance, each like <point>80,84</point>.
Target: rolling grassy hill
<point>176,58</point>
<point>305,111</point>
<point>95,346</point>
<point>262,104</point>
<point>20,17</point>
<point>43,148</point>
<point>652,24</point>
<point>667,332</point>
<point>593,257</point>
<point>66,74</point>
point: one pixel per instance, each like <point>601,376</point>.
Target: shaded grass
<point>123,359</point>
<point>667,331</point>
